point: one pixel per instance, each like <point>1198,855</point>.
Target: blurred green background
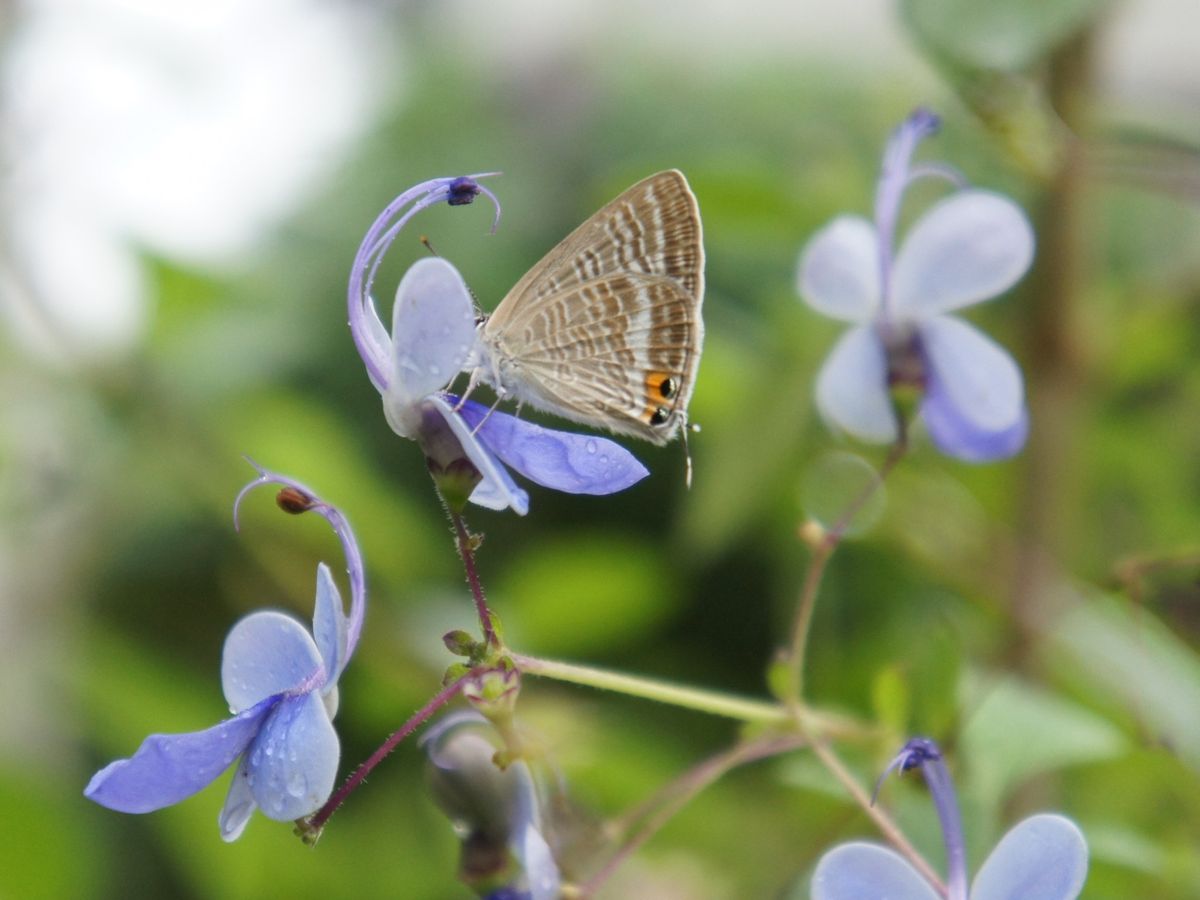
<point>1039,617</point>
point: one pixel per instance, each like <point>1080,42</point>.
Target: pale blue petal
<point>266,653</point>
<point>839,270</point>
<point>239,805</point>
<point>292,764</point>
<point>561,460</point>
<point>541,871</point>
<point>329,625</point>
<point>497,490</point>
<point>852,390</point>
<point>974,375</point>
<point>433,329</point>
<point>168,768</point>
<point>861,871</point>
<point>970,246</point>
<point>1045,857</point>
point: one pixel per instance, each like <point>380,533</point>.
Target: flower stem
<point>463,541</point>
<point>310,828</point>
<point>882,820</point>
<point>822,551</point>
<point>702,701</point>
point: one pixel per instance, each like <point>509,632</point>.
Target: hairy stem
<point>467,552</point>
<point>311,827</point>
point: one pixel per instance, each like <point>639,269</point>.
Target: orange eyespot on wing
<point>659,387</point>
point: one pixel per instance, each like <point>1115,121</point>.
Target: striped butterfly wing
<point>620,351</point>
<point>606,328</point>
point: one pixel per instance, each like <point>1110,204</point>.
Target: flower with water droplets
<point>1043,857</point>
<point>971,246</point>
<point>280,682</point>
<point>432,338</point>
<point>496,812</point>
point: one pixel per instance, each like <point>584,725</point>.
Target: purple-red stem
<point>468,557</point>
<point>317,820</point>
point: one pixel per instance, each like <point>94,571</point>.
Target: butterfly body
<point>606,329</point>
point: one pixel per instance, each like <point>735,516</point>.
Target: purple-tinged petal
<point>839,270</point>
<point>168,768</point>
<point>329,625</point>
<point>852,390</point>
<point>433,331</point>
<point>292,763</point>
<point>267,653</point>
<point>497,490</point>
<point>561,460</point>
<point>1045,857</point>
<point>239,805</point>
<point>974,398</point>
<point>858,871</point>
<point>968,247</point>
<point>957,437</point>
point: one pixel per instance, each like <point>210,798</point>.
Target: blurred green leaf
<point>1009,35</point>
<point>1127,656</point>
<point>1018,730</point>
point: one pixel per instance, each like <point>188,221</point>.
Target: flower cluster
<point>970,246</point>
<point>280,682</point>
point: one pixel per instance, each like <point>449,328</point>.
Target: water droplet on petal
<point>591,446</point>
<point>297,784</point>
<point>435,370</point>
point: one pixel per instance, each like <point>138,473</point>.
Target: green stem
<point>822,551</point>
<point>714,702</point>
<point>717,703</point>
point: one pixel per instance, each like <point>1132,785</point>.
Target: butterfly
<point>605,329</point>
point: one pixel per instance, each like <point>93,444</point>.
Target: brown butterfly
<point>606,328</point>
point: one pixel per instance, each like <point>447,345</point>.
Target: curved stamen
<point>379,237</point>
<point>308,500</point>
<point>893,179</point>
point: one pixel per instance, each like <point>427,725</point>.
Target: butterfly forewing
<point>606,328</point>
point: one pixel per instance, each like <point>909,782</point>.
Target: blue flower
<point>1044,857</point>
<point>280,682</point>
<point>432,337</point>
<point>971,246</point>
<point>496,811</point>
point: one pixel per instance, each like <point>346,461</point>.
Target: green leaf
<point>1128,656</point>
<point>1020,730</point>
